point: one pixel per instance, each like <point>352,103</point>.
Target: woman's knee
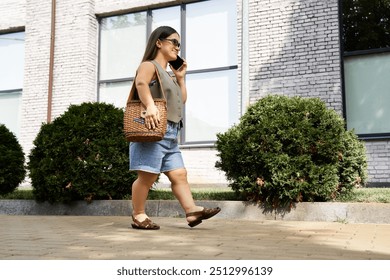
<point>146,178</point>
<point>177,175</point>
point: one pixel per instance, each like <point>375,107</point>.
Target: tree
<point>12,169</point>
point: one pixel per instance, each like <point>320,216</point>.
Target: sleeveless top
<point>172,92</point>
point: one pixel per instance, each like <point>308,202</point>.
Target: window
<point>211,40</point>
<point>122,42</point>
<point>11,79</point>
<point>208,31</point>
<point>366,41</point>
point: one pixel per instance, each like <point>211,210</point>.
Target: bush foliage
<point>12,169</point>
<point>81,155</point>
<point>291,149</point>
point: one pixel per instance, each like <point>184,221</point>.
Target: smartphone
<point>176,64</point>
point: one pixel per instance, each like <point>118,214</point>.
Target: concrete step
<point>318,211</point>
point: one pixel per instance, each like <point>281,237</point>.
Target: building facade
<point>238,51</point>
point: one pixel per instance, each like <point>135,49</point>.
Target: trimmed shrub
<point>287,150</point>
<point>81,155</point>
<point>12,169</point>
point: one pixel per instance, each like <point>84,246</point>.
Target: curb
<point>378,213</point>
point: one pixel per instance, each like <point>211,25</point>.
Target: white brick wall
<point>378,154</point>
<point>104,7</point>
<point>75,63</point>
<point>36,69</point>
<point>12,14</point>
<point>294,50</point>
<point>200,165</point>
<point>75,54</point>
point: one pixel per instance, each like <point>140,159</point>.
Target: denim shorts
<point>157,157</point>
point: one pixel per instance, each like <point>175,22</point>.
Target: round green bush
<point>12,170</point>
<point>291,149</point>
<point>81,155</point>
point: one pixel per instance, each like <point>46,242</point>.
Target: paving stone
<point>109,237</point>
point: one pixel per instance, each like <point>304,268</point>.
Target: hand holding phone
<point>176,64</point>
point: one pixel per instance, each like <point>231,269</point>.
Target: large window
<point>208,31</point>
<point>366,42</point>
<point>11,79</point>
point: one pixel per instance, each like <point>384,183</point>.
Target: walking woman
<point>152,158</point>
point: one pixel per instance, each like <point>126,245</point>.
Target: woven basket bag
<point>134,126</point>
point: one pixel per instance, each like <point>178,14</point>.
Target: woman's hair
<point>161,32</point>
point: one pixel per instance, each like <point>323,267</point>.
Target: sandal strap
<point>147,223</point>
<point>205,211</point>
<point>197,213</point>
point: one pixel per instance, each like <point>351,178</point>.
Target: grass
<point>198,194</point>
<point>363,195</point>
<point>380,195</point>
<point>18,194</point>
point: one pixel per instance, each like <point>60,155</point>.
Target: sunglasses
<point>173,41</point>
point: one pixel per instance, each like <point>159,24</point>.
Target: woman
<point>151,159</point>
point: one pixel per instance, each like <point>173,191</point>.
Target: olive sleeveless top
<point>172,92</point>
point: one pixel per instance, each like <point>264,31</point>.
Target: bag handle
<point>134,89</point>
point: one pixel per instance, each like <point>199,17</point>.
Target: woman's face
<point>170,46</point>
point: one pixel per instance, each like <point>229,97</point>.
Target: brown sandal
<point>146,224</point>
<point>206,213</point>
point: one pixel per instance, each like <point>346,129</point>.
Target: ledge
<point>306,211</point>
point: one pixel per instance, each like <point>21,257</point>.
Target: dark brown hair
<point>161,32</point>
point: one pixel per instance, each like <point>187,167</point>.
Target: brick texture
<point>12,15</point>
<point>294,50</point>
<point>378,155</point>
<point>75,62</point>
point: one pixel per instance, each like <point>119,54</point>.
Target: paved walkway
<point>109,237</point>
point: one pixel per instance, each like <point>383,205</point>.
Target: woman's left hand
<point>181,72</point>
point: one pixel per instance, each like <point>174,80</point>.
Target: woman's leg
<point>182,192</point>
<point>140,191</point>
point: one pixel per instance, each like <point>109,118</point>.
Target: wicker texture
<point>134,126</point>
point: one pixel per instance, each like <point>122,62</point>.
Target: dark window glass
<point>366,24</point>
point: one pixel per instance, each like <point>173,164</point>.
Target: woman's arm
<point>145,74</point>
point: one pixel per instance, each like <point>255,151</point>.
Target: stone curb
<point>318,211</point>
